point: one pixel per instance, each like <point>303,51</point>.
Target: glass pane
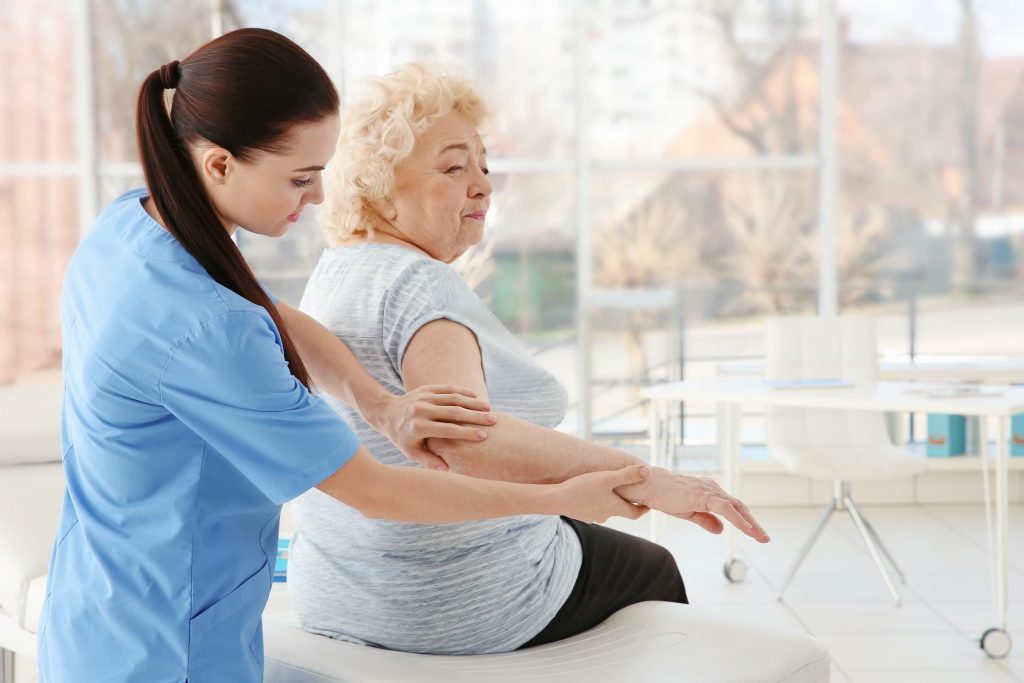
<point>38,232</point>
<point>284,264</point>
<point>931,231</point>
<point>38,206</point>
<point>686,266</point>
<point>519,55</point>
<point>37,123</point>
<point>307,22</point>
<point>702,78</point>
<point>531,236</point>
<point>131,39</point>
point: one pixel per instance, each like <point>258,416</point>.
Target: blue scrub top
<point>183,432</point>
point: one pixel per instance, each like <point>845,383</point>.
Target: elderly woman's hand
<point>697,499</point>
<point>432,411</point>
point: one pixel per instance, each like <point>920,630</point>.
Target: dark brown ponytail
<point>244,92</point>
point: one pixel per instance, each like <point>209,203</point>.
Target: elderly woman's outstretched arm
<point>516,450</point>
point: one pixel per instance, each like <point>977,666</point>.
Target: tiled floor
<point>839,597</point>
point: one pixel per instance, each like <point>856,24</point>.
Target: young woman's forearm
<point>407,494</point>
<point>332,365</point>
<point>516,450</point>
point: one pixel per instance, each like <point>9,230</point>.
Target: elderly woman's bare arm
<point>520,451</point>
<point>515,450</point>
<point>426,411</point>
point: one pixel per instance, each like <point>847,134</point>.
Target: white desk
<point>731,394</point>
<point>988,369</point>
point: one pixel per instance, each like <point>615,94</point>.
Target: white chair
<point>654,642</point>
<point>841,446</point>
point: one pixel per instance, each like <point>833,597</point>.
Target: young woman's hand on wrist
<point>431,411</point>
<point>591,497</point>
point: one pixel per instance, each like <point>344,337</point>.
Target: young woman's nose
<point>315,194</point>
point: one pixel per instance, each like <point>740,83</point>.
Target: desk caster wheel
<point>735,571</point>
<point>996,643</point>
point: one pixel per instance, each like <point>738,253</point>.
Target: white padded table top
<point>30,500</point>
<point>655,642</point>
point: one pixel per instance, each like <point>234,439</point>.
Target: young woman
<point>187,419</point>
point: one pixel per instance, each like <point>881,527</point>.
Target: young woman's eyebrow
<point>308,168</point>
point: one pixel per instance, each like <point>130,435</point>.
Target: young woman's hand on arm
<point>407,494</point>
<point>439,410</point>
<point>516,450</point>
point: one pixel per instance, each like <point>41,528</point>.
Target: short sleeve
<point>228,381</point>
<point>426,291</point>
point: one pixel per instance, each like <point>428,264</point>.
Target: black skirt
<point>618,569</point>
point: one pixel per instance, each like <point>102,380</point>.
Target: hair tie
<point>170,73</point>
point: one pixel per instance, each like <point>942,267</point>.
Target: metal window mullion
<point>828,152</point>
<point>756,163</point>
<point>39,170</point>
<point>583,249</point>
<point>85,116</point>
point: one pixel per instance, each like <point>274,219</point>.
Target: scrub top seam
<point>192,566</point>
<point>198,328</point>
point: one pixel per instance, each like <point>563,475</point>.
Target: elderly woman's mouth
<point>477,215</point>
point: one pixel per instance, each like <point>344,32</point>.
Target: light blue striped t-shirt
<point>469,588</point>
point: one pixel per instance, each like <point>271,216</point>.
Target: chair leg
<point>869,541</point>
<point>885,551</point>
<point>826,512</point>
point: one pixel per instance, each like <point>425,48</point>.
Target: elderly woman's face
<point>441,190</point>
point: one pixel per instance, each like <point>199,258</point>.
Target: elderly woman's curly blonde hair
<point>378,131</point>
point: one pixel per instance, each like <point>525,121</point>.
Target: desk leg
<point>996,641</point>
<point>729,450</point>
<point>1002,518</point>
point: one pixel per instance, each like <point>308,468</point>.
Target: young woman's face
<point>267,194</point>
<point>441,193</point>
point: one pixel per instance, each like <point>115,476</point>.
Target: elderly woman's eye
<point>454,169</point>
<point>486,170</point>
<point>303,183</point>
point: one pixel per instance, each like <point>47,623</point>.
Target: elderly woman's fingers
<point>755,529</point>
<point>704,520</point>
<point>749,516</point>
<point>724,508</point>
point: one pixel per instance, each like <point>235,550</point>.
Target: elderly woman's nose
<point>482,185</point>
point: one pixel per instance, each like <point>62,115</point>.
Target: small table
<point>731,394</point>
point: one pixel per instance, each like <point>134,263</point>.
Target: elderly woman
<point>407,194</point>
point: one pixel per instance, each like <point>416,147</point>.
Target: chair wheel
<point>735,571</point>
<point>996,643</point>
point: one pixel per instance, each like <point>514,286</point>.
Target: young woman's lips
<point>295,216</point>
